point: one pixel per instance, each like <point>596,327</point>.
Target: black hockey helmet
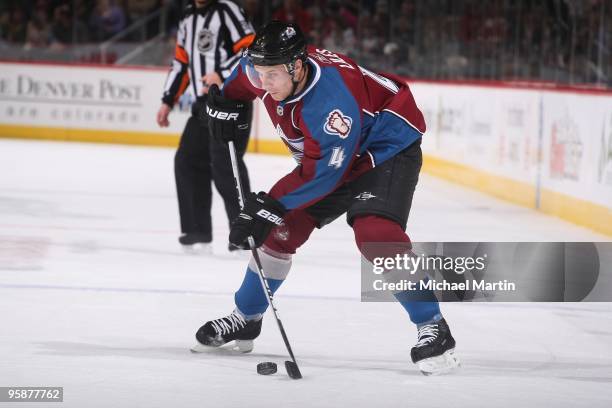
<point>277,43</point>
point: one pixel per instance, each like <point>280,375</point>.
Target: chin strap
<point>293,88</point>
<point>291,70</point>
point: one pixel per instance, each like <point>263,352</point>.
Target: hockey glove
<point>260,214</point>
<point>228,119</point>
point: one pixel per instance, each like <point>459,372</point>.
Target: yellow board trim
<point>587,214</point>
<point>584,213</point>
<point>268,146</point>
<point>120,137</point>
<point>580,212</point>
<point>89,135</point>
<point>516,192</point>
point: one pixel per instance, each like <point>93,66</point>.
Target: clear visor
<point>266,78</point>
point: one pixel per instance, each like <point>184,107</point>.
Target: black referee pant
<point>199,159</point>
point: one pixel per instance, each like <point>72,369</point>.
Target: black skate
<point>234,327</point>
<point>434,352</point>
<point>196,243</point>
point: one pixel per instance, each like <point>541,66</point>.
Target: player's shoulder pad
<point>332,119</point>
<point>330,107</point>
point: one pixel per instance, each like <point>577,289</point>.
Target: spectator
<point>5,19</point>
<point>82,10</point>
<point>370,44</point>
<point>381,20</point>
<point>106,20</point>
<point>16,32</point>
<point>62,25</point>
<point>65,29</point>
<point>254,13</point>
<point>318,32</point>
<point>404,51</point>
<point>137,9</point>
<point>292,12</point>
<point>339,38</point>
<point>349,10</point>
<point>38,33</point>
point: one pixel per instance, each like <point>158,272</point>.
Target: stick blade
<point>293,370</point>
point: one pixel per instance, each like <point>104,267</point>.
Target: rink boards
<point>544,148</point>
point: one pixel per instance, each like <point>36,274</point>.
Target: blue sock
<point>422,306</point>
<point>251,300</point>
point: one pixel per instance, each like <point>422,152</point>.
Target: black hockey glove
<point>260,214</point>
<point>228,119</point>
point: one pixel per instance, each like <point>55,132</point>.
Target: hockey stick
<point>291,366</point>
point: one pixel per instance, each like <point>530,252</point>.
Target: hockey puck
<point>266,368</point>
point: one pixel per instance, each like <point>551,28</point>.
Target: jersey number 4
<point>337,157</point>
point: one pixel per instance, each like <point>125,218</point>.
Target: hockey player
<point>356,136</point>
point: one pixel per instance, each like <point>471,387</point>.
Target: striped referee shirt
<point>209,39</point>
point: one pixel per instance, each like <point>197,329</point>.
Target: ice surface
<point>96,296</point>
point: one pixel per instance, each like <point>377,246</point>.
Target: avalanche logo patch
<point>205,40</point>
<point>338,124</point>
<point>288,33</point>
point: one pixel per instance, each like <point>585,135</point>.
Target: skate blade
<point>240,346</point>
<point>198,249</point>
<point>239,254</point>
<point>442,364</point>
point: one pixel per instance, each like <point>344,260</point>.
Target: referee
<point>210,36</point>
